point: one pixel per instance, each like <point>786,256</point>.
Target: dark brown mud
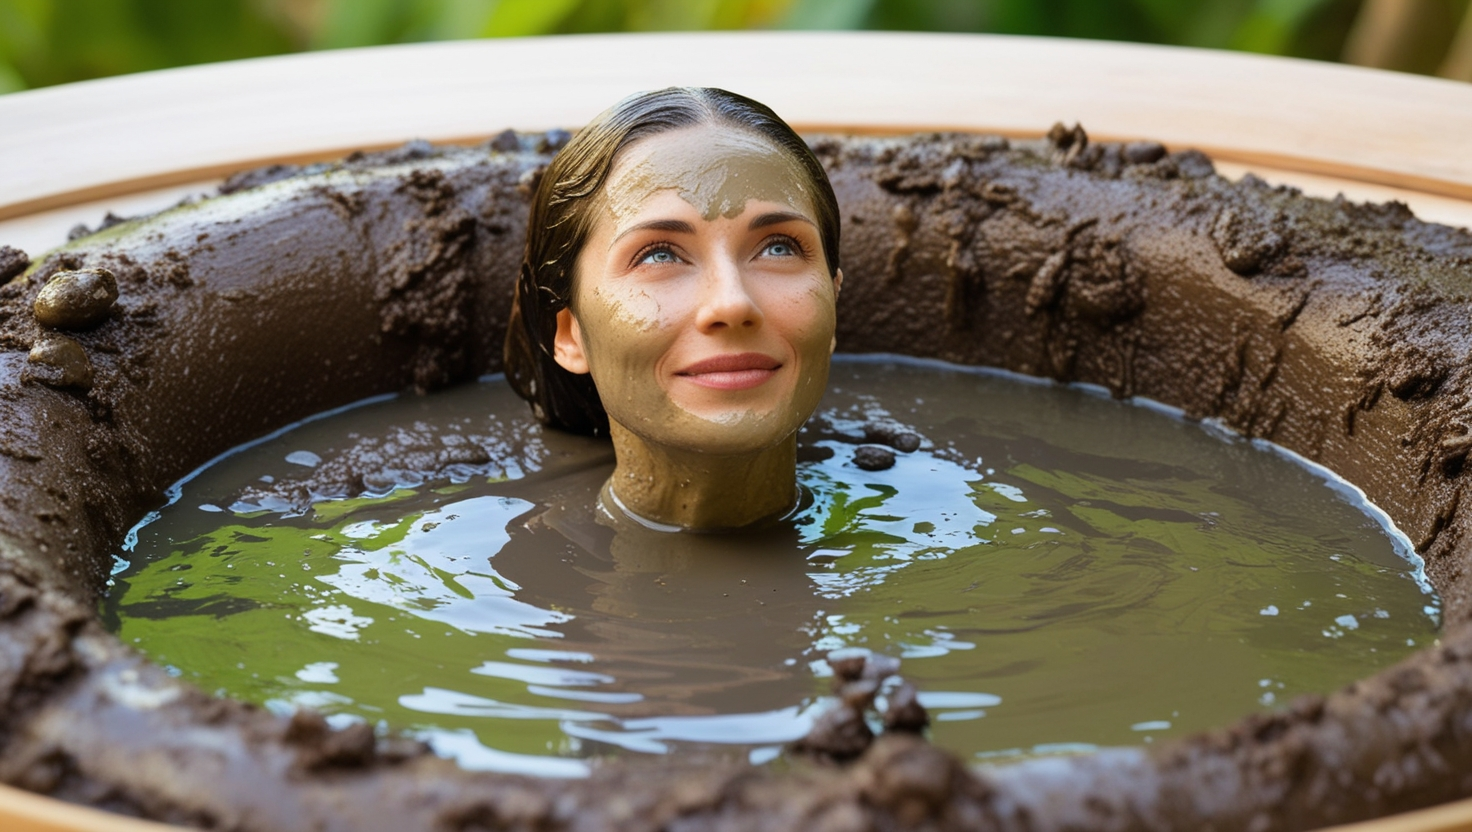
<point>1340,331</point>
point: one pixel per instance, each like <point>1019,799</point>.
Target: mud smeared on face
<point>717,172</point>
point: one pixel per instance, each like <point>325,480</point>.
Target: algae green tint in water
<point>1058,571</point>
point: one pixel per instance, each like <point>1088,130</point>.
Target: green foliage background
<point>46,42</point>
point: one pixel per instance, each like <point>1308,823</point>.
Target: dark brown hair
<point>561,219</point>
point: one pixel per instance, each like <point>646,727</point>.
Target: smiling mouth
<point>740,371</point>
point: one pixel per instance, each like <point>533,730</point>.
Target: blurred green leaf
<point>1207,23</point>
<point>1271,25</point>
<point>828,14</point>
<point>23,26</point>
<point>748,14</point>
<point>362,23</point>
<point>670,15</point>
<point>10,80</point>
<point>456,19</point>
<point>933,15</point>
<point>55,41</point>
<point>527,17</point>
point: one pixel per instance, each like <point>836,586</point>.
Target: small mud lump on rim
<point>78,299</point>
<point>13,261</point>
<point>58,361</point>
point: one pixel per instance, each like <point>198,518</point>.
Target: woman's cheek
<point>614,322</point>
<point>626,337</point>
<point>626,309</point>
<point>819,322</point>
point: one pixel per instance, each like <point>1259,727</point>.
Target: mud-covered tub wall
<point>1337,330</point>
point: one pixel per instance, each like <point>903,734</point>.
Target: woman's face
<point>703,306</point>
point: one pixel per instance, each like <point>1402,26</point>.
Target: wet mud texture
<point>1340,331</point>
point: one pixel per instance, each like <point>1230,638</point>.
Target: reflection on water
<point>1057,571</point>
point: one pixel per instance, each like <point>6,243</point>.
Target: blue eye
<point>660,255</point>
<point>780,248</point>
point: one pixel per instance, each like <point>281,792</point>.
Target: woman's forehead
<point>715,169</point>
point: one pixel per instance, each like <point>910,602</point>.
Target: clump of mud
<point>842,733</point>
<point>1338,330</point>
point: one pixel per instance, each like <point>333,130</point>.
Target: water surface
<point>1058,572</point>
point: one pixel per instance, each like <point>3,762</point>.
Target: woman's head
<point>690,168</point>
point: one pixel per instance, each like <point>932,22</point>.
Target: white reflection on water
<point>438,568</point>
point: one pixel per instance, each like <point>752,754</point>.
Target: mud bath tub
<point>1337,330</point>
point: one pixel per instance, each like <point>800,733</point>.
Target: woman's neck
<point>695,490</point>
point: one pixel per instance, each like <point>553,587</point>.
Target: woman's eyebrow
<point>657,225</point>
<point>777,218</point>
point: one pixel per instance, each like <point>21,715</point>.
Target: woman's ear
<point>567,345</point>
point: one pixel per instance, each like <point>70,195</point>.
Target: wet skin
<point>703,306</point>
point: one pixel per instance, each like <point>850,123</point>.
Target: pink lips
<point>739,371</point>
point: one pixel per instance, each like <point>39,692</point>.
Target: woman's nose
<point>726,301</point>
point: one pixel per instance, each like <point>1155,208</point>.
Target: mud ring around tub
<point>1340,331</point>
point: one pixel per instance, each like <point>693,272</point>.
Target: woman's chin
<point>730,431</point>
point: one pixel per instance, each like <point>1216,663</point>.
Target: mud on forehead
<point>716,169</point>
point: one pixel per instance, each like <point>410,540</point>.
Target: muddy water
<point>1057,570</point>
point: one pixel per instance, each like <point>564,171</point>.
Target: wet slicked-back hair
<point>562,216</point>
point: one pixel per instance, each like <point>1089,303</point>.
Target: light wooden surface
<point>44,230</point>
<point>1449,817</point>
<point>1430,207</point>
<point>86,141</point>
<point>133,143</point>
<point>21,811</point>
